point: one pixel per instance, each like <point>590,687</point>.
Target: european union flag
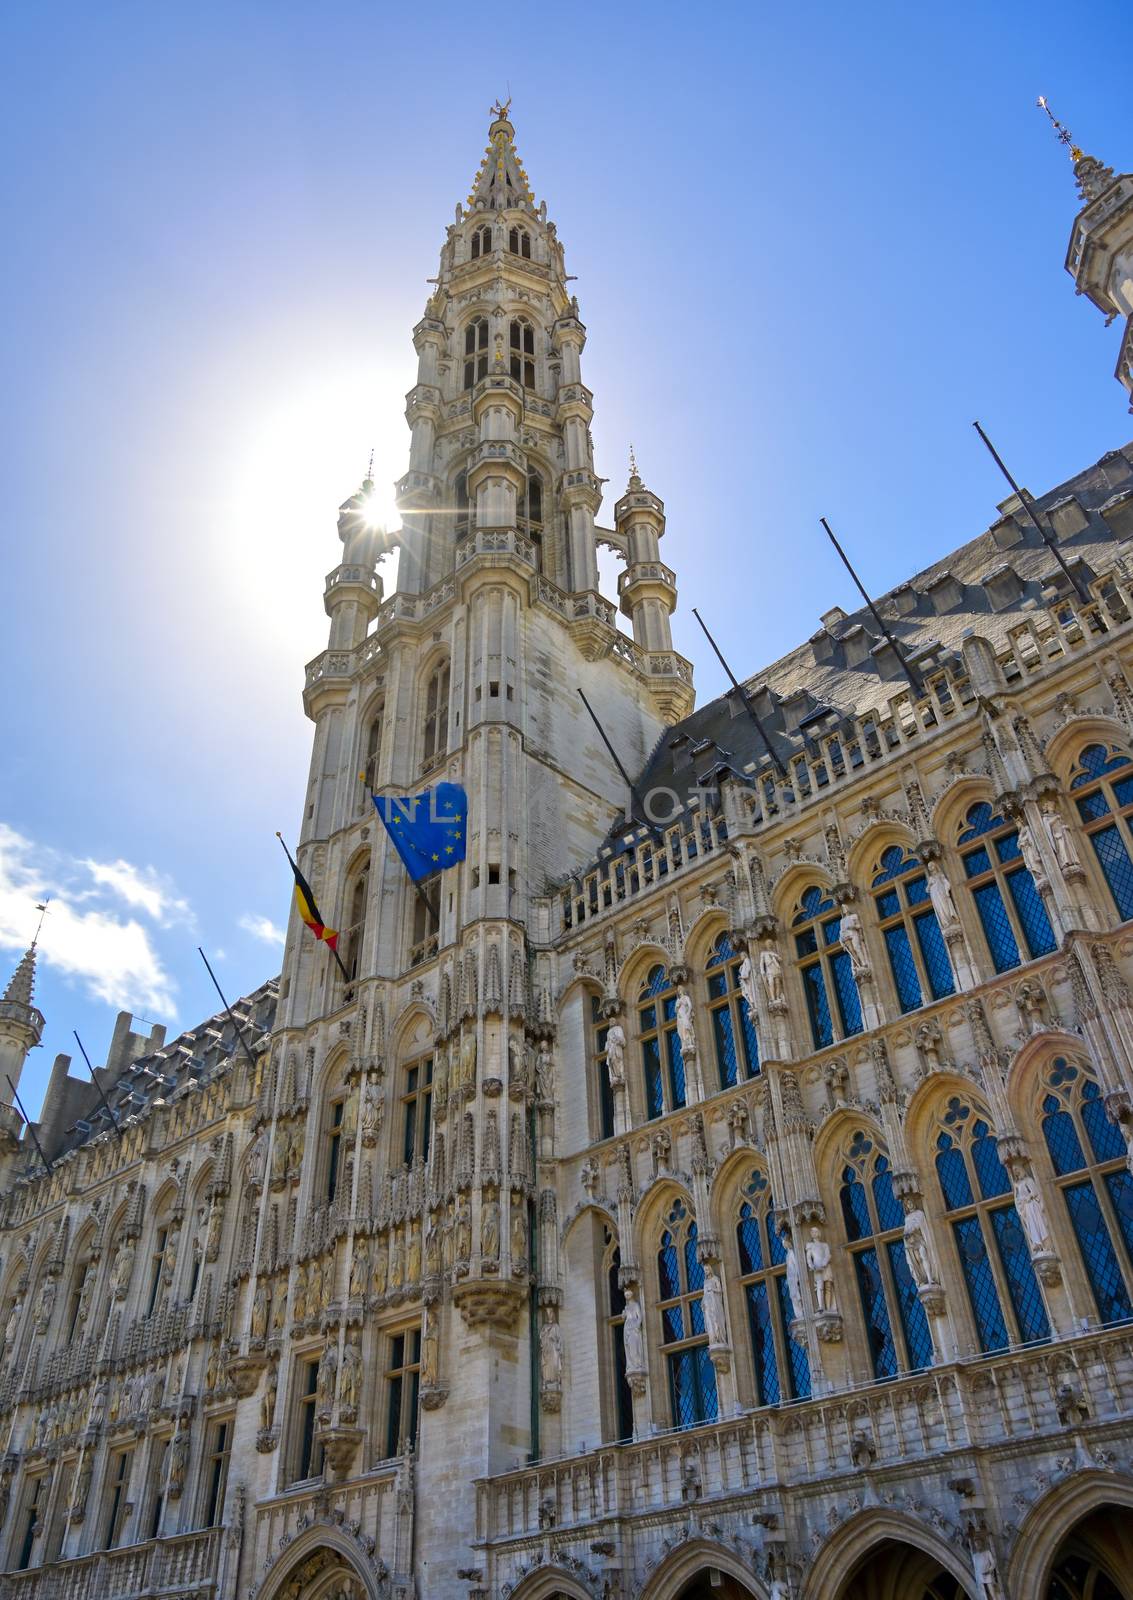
<point>429,830</point>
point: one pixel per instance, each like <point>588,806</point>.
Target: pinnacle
<point>22,983</point>
<point>500,181</point>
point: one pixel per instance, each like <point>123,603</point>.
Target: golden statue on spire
<point>500,109</point>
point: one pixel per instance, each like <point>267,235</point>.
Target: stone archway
<point>1095,1559</point>
<point>319,1570</point>
<point>894,1570</point>
<point>712,1584</point>
<point>701,1570</point>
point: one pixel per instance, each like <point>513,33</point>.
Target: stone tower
<point>470,672</point>
<point>1100,255</point>
<point>21,1024</point>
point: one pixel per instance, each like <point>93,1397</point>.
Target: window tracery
<point>622,1407</point>
<point>825,968</point>
<point>521,345</point>
<point>475,351</point>
<point>662,1061</point>
<point>895,1321</point>
<point>779,1363</point>
<point>684,1336</point>
<point>1010,908</point>
<point>733,1026</point>
<point>918,956</point>
<point>1102,786</point>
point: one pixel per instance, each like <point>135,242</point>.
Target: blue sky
<point>811,242</point>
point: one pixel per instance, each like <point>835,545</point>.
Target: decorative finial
<point>632,462</point>
<point>500,110</point>
<point>370,469</point>
<point>41,907</point>
<point>1064,135</point>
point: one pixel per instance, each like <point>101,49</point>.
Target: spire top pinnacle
<point>501,182</point>
<point>634,475</point>
<point>22,982</point>
<point>1091,175</point>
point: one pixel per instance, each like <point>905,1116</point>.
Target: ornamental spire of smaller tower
<point>501,180</point>
<point>1092,176</point>
<point>21,985</point>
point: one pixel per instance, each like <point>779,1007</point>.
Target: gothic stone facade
<point>750,1209</point>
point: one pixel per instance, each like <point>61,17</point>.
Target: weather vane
<point>41,907</point>
<point>1064,135</point>
<point>501,109</point>
<point>632,462</point>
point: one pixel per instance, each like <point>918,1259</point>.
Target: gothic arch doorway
<point>1095,1559</point>
<point>712,1584</point>
<point>893,1570</point>
<point>321,1573</point>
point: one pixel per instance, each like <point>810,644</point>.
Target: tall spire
<point>21,1024</point>
<point>501,181</point>
<point>1091,176</point>
<point>22,981</point>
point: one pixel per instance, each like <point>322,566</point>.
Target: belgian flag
<point>309,910</point>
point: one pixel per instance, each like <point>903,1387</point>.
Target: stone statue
<point>822,1274</point>
<point>794,1275</point>
<point>1032,1214</point>
<point>279,1308</point>
<point>550,1355</point>
<point>279,1156</point>
<point>1060,839</point>
<point>616,1054</point>
<point>260,1310</point>
<point>633,1332</point>
<point>267,1400</point>
<point>349,1124</point>
<point>518,1236</point>
<point>13,1322</point>
<point>853,943</point>
<point>396,1262</point>
<point>360,1267</point>
<point>987,1575</point>
<point>490,1228</point>
<point>545,1072</point>
<point>771,973</point>
<point>686,1027</point>
<point>350,1376</point>
<point>1032,857</point>
<point>123,1269</point>
<point>413,1254</point>
<point>940,897</point>
<point>918,1250</point>
<point>86,1292</point>
<point>468,1061</point>
<point>301,1293</point>
<point>430,1350</point>
<point>178,1454</point>
<point>295,1152</point>
<point>82,1486</point>
<point>747,986</point>
<point>432,1250</point>
<point>464,1230</point>
<point>98,1405</point>
<point>47,1299</point>
<point>381,1267</point>
<point>212,1378</point>
<point>371,1114</point>
<point>517,1063</point>
<point>440,1076</point>
<point>714,1319</point>
<point>255,1167</point>
<point>325,1381</point>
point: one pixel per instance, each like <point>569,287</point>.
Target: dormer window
<point>519,243</point>
<point>481,242</point>
<point>475,351</point>
<point>522,345</point>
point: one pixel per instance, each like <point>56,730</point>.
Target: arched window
<point>917,953</point>
<point>1102,784</point>
<point>1004,1294</point>
<point>374,726</point>
<point>475,351</point>
<point>531,514</point>
<point>436,715</point>
<point>684,1337</point>
<point>463,522</point>
<point>353,934</point>
<point>423,939</point>
<point>615,1321</point>
<point>333,1151</point>
<point>1088,1154</point>
<point>733,1026</point>
<point>481,243</point>
<point>660,1047</point>
<point>84,1282</point>
<point>519,242</point>
<point>157,1265</point>
<point>825,967</point>
<point>521,342</point>
<point>599,1028</point>
<point>896,1326</point>
<point>781,1367</point>
<point>416,1110</point>
<point>1011,910</point>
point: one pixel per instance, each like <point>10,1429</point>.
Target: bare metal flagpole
<point>93,1078</point>
<point>228,1008</point>
<point>907,667</point>
<point>1025,501</point>
<point>28,1125</point>
<point>626,779</point>
<point>745,698</point>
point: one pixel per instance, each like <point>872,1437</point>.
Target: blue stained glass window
<point>889,1213</point>
<point>849,1005</point>
<point>763,1345</point>
<point>1096,762</point>
<point>997,927</point>
<point>879,1330</point>
<point>1097,1252</point>
<point>980,820</point>
<point>935,955</point>
<point>916,890</point>
<point>667,1271</point>
<point>953,1174</point>
<point>904,967</point>
<point>776,1253</point>
<point>676,1071</point>
<point>991,1174</point>
<point>980,1283</point>
<point>654,1100</point>
<point>751,1248</point>
<point>888,904</point>
<point>693,1268</point>
<point>1113,857</point>
<point>797,1356</point>
<point>750,1038</point>
<point>1021,1282</point>
<point>725,1047</point>
<point>1062,1141</point>
<point>1104,1135</point>
<point>672,1323</point>
<point>1007,848</point>
<point>818,1006</point>
<point>1032,913</point>
<point>1123,789</point>
<point>1093,806</point>
<point>977,861</point>
<point>1120,1187</point>
<point>684,1389</point>
<point>918,1340</point>
<point>855,1207</point>
<point>813,903</point>
<point>894,863</point>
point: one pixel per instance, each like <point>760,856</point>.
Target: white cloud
<point>262,928</point>
<point>141,887</point>
<point>111,958</point>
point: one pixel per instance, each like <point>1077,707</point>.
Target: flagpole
<point>295,869</point>
<point>434,911</point>
<point>745,698</point>
<point>626,779</point>
<point>907,667</point>
<point>228,1008</point>
<point>1025,502</point>
<point>27,1124</point>
<point>105,1102</point>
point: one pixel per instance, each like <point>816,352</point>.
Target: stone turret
<point>21,1024</point>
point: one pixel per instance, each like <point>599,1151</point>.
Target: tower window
<point>119,1477</point>
<point>309,1451</point>
<point>423,946</point>
<point>334,1150</point>
<point>684,1335</point>
<point>615,1323</point>
<point>157,1267</point>
<point>896,1327</point>
<point>463,523</point>
<point>531,514</point>
<point>374,743</point>
<point>416,1107</point>
<point>519,242</point>
<point>475,351</point>
<point>216,1473</point>
<point>481,242</point>
<point>661,1057</point>
<point>356,925</point>
<point>436,715</point>
<point>521,342</point>
<point>733,1027</point>
<point>36,1499</point>
<point>402,1377</point>
<point>780,1366</point>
